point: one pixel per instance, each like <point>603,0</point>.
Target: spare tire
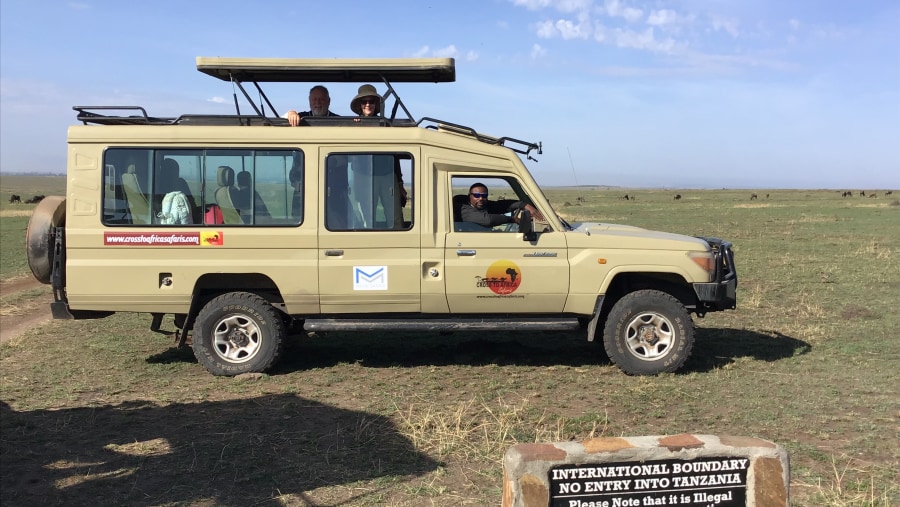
<point>49,213</point>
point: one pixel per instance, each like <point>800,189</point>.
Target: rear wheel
<point>648,332</point>
<point>238,332</point>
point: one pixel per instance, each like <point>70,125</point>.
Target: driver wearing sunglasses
<point>481,211</point>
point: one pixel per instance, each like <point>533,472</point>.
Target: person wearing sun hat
<point>367,102</point>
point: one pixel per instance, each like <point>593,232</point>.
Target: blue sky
<point>642,93</point>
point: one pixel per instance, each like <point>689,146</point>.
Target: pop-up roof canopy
<point>333,70</point>
<point>329,70</point>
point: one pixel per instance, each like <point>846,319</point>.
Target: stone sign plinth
<point>681,470</point>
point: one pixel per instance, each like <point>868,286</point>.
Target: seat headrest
<point>458,201</point>
<point>225,176</point>
<point>167,178</point>
<point>244,179</point>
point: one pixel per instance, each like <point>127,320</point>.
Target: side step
<point>458,324</point>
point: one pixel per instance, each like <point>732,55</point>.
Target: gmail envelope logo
<point>370,277</point>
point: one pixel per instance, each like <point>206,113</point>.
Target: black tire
<point>648,332</point>
<point>238,332</point>
<point>49,213</point>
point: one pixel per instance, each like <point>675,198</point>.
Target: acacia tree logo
<point>502,277</point>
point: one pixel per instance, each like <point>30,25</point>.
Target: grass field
<point>107,409</point>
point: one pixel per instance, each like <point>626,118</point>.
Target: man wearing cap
<point>319,101</point>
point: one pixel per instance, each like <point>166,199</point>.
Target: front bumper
<point>721,293</point>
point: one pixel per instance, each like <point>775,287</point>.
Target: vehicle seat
<point>138,204</point>
<point>225,195</point>
<point>458,224</point>
<point>247,199</point>
<point>458,201</point>
<point>167,182</point>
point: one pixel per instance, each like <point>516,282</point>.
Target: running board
<point>463,324</point>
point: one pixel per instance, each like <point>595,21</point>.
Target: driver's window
<point>484,204</point>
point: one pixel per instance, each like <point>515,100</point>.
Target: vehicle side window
<point>197,187</point>
<point>498,205</point>
<point>368,192</point>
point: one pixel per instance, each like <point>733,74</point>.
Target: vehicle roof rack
<point>516,145</point>
<point>241,71</point>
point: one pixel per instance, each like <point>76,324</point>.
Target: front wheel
<point>648,332</point>
<point>238,332</point>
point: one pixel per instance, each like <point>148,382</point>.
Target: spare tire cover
<point>49,213</point>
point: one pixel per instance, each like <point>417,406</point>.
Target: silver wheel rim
<point>649,336</point>
<point>236,338</point>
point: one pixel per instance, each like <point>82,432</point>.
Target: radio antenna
<point>578,187</point>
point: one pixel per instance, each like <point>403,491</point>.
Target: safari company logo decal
<point>502,277</point>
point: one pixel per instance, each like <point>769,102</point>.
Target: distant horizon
<point>581,186</point>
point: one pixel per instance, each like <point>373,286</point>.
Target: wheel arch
<point>619,284</point>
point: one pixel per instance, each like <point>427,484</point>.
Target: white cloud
<point>564,28</point>
<point>471,56</point>
<point>532,5</point>
<point>642,40</point>
<point>537,51</point>
<point>662,17</point>
<point>560,5</point>
<point>729,25</point>
<point>447,52</point>
<point>217,100</point>
<point>616,9</point>
<point>794,24</point>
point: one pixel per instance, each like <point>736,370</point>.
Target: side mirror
<point>526,226</point>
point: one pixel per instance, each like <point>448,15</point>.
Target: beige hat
<point>365,90</point>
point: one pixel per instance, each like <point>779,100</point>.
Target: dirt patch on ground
<point>14,323</point>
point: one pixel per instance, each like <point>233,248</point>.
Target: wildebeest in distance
<point>677,197</point>
<point>753,196</point>
<point>34,200</point>
<point>15,199</point>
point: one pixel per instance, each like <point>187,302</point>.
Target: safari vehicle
<point>246,229</point>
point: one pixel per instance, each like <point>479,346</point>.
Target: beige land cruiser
<point>245,228</point>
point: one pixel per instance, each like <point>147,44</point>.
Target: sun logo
<point>213,238</point>
<point>502,277</point>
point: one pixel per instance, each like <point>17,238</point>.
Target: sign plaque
<point>701,482</point>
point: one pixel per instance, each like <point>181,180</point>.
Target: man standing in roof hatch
<point>319,101</point>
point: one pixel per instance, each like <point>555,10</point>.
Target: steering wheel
<point>513,226</point>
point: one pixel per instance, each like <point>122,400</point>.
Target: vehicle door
<point>494,270</point>
<point>369,245</point>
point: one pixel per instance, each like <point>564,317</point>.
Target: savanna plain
<point>107,412</point>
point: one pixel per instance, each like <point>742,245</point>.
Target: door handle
<point>465,253</point>
<point>334,253</point>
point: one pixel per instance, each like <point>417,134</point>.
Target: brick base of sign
<point>684,470</point>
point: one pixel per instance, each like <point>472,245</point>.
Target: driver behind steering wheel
<point>481,211</point>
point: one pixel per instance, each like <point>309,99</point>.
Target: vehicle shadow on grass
<point>230,453</point>
<point>713,348</point>
<point>718,347</point>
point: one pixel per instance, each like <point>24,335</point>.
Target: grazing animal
<point>889,192</point>
<point>847,194</point>
<point>677,197</point>
<point>753,196</point>
<point>34,200</point>
<point>873,194</point>
<point>625,197</point>
<point>15,199</point>
<point>862,193</point>
<point>767,196</point>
